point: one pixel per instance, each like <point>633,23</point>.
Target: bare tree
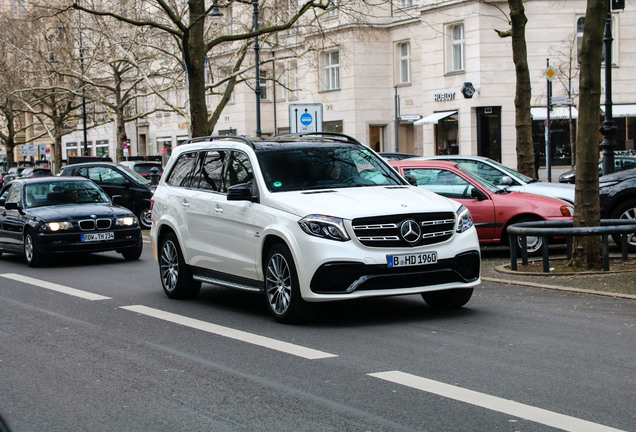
<point>186,26</point>
<point>587,250</point>
<point>523,93</point>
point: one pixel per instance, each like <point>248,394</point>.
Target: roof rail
<point>336,135</point>
<point>218,137</point>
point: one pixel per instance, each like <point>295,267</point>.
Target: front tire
<point>627,210</point>
<point>448,299</point>
<point>176,278</point>
<point>133,254</point>
<point>282,290</point>
<point>32,255</point>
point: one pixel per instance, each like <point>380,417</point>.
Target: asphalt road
<point>91,343</point>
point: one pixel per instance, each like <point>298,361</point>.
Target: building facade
<point>423,77</point>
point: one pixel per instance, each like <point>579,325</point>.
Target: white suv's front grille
<point>405,230</point>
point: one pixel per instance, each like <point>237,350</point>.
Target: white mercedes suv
<point>305,219</point>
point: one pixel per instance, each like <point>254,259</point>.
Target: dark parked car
<point>143,168</point>
<point>36,172</point>
<point>617,192</point>
<point>393,156</point>
<point>115,179</point>
<point>46,215</point>
<point>621,163</point>
<point>13,173</point>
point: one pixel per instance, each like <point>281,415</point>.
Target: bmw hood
<point>349,203</point>
<point>78,211</point>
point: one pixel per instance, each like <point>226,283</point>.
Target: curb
<point>559,287</point>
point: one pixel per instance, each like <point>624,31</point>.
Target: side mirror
<point>12,206</point>
<point>477,193</point>
<point>507,181</point>
<point>118,199</point>
<point>412,180</point>
<point>241,192</point>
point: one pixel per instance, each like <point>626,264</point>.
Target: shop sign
<point>444,96</point>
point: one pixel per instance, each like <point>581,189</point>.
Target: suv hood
<point>349,203</point>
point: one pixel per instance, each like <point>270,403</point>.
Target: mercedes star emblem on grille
<point>410,231</point>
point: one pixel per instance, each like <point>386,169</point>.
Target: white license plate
<point>98,236</point>
<point>406,260</point>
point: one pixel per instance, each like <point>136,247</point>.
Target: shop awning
<point>557,113</point>
<point>434,118</point>
<point>623,110</point>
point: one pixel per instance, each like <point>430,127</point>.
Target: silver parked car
<point>512,180</point>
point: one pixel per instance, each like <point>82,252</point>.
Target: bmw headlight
<point>56,226</point>
<point>126,221</point>
<point>328,227</point>
<point>464,219</point>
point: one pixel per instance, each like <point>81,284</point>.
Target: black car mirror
<point>411,179</point>
<point>480,195</point>
<point>118,199</point>
<point>12,206</point>
<point>241,192</point>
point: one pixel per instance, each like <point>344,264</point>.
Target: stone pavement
<point>619,282</point>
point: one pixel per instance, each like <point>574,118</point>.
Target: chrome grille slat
<point>384,231</point>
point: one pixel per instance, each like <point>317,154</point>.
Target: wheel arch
<point>523,217</point>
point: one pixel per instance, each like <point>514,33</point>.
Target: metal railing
<point>548,229</point>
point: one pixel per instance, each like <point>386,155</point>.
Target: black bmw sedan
<point>47,215</point>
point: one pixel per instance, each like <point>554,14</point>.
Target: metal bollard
<point>154,175</point>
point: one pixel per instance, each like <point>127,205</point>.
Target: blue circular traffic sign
<point>306,119</point>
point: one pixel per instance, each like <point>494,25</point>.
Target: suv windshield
<point>323,166</point>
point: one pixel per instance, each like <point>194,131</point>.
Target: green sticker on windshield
<point>277,184</point>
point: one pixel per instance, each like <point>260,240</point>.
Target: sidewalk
<point>619,282</point>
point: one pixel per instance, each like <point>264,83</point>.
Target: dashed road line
<point>537,415</point>
<point>266,342</point>
<point>54,287</point>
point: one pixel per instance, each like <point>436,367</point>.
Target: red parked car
<point>493,208</point>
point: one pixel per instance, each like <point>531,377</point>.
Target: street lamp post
<point>257,86</point>
<point>609,126</point>
<point>81,53</point>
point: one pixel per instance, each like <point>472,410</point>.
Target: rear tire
<point>626,210</point>
<point>448,299</point>
<point>282,290</point>
<point>534,243</point>
<point>176,278</point>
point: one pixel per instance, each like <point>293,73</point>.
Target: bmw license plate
<point>406,260</point>
<point>98,236</point>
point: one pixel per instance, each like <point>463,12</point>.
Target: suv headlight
<point>328,227</point>
<point>464,219</point>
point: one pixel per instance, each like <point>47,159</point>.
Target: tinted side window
<point>210,177</point>
<point>15,194</point>
<point>183,169</point>
<point>106,176</point>
<point>239,170</point>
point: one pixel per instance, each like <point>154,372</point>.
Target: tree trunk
<point>523,94</point>
<point>194,57</point>
<point>587,250</point>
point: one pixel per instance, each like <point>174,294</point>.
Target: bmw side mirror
<point>118,199</point>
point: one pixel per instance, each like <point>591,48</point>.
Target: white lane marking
<point>240,335</point>
<point>54,287</point>
<point>483,400</point>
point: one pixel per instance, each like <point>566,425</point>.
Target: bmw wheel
<point>176,277</point>
<point>282,291</point>
<point>31,253</point>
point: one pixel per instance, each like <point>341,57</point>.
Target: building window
<point>456,48</point>
<point>293,81</point>
<point>331,71</point>
<point>101,148</point>
<point>580,24</point>
<point>333,9</point>
<point>71,149</point>
<point>406,3</point>
<point>165,145</point>
<point>263,83</point>
<point>404,62</point>
<point>18,6</point>
<point>281,90</point>
<point>332,126</point>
